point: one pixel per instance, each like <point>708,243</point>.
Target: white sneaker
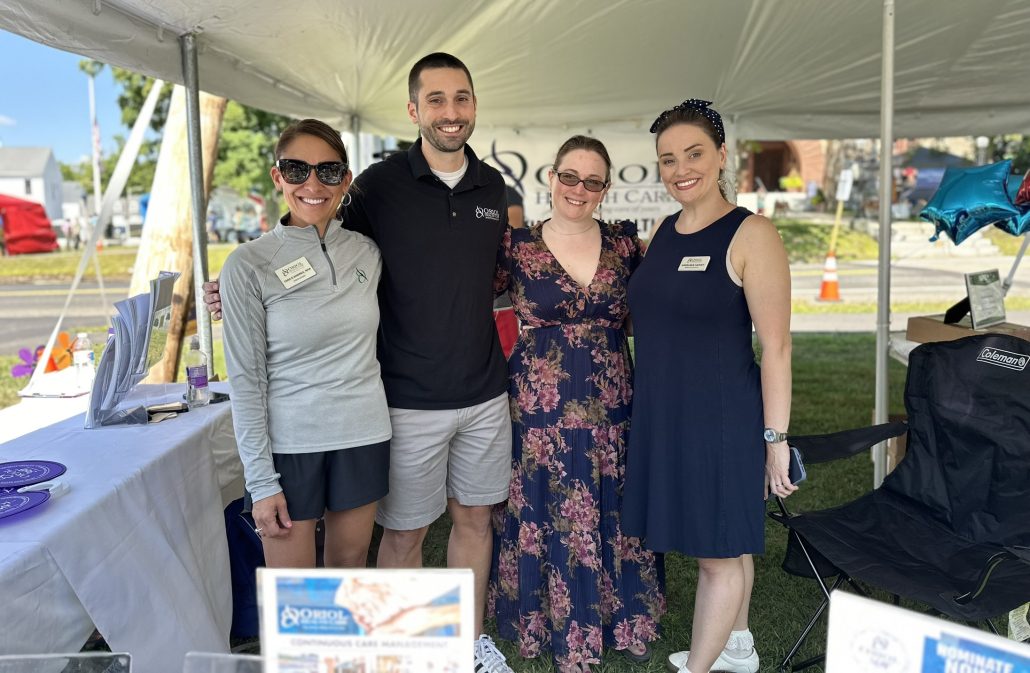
<point>488,659</point>
<point>748,664</point>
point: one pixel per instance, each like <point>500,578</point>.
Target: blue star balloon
<point>1019,225</point>
<point>1012,186</point>
<point>969,199</point>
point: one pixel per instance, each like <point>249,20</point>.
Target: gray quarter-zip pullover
<point>301,317</point>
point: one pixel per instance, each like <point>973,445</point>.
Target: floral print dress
<point>565,580</point>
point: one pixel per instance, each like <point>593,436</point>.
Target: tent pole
<point>1007,285</point>
<point>357,163</point>
<point>188,47</point>
<point>883,291</point>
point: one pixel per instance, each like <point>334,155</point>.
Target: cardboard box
<point>932,328</point>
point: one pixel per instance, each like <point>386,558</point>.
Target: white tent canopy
<point>782,69</point>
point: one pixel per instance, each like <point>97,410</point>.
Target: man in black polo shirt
<point>438,215</point>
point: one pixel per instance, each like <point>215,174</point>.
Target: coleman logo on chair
<point>996,356</point>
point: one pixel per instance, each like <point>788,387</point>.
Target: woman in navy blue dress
<point>700,462</point>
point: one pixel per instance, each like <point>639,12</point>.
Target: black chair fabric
<point>959,497</point>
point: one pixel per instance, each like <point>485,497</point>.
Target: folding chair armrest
<point>985,574</point>
<point>782,515</point>
<point>845,443</point>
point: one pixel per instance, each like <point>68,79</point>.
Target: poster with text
<point>366,621</point>
<point>867,636</point>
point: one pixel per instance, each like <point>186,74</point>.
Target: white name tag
<point>295,272</point>
<point>694,263</point>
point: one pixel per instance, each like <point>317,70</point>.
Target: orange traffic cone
<point>830,289</point>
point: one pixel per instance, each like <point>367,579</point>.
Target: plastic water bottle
<point>197,392</point>
<point>83,360</point>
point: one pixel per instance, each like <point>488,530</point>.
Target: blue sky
<point>45,100</point>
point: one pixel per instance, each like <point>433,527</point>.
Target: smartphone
<point>796,471</point>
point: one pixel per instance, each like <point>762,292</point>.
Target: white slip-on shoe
<point>724,664</point>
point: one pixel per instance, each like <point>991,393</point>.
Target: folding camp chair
<point>950,526</point>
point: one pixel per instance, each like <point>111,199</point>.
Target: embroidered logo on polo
<point>1007,359</point>
<point>487,214</point>
<point>362,277</point>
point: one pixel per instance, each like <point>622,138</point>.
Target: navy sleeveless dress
<point>696,458</point>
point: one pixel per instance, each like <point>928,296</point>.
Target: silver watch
<point>771,436</point>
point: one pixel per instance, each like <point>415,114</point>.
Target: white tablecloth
<point>33,413</point>
<point>137,546</point>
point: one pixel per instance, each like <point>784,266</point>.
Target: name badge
<point>294,273</point>
<point>694,263</point>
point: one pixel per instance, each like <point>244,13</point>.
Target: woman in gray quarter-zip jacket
<point>309,408</point>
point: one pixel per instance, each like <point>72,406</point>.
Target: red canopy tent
<point>26,227</point>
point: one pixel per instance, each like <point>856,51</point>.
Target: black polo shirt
<point>438,347</point>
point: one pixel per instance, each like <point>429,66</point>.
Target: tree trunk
<point>167,238</point>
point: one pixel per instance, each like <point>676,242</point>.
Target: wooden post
<point>166,244</point>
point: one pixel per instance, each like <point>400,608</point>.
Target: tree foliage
<point>245,145</point>
<point>1015,147</point>
<point>245,149</point>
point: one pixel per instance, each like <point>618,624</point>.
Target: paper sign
<point>844,183</point>
<point>867,636</point>
<point>986,298</point>
<point>373,621</point>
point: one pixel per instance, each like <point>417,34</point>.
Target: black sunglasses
<point>296,172</point>
<point>571,180</point>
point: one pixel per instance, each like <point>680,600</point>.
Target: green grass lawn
<point>833,390</point>
<point>808,242</point>
<point>116,263</point>
<point>1013,302</point>
<point>1006,242</point>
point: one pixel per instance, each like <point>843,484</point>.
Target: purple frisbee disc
<point>27,472</point>
<point>16,503</point>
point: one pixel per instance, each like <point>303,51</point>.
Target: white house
<point>73,202</point>
<point>32,173</point>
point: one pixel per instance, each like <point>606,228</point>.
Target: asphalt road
<point>28,312</point>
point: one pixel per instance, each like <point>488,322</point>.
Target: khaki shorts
<point>438,454</point>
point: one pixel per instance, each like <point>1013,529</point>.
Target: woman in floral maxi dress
<point>565,580</point>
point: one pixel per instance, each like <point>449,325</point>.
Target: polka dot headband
<point>698,106</point>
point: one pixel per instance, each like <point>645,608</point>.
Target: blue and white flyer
<point>366,621</point>
<point>867,635</point>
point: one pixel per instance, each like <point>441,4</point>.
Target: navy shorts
<point>331,480</point>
